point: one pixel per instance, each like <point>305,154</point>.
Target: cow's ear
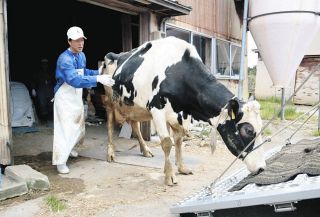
<point>234,110</point>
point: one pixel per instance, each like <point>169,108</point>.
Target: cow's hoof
<point>171,180</point>
<point>110,158</point>
<point>184,170</point>
<point>148,154</point>
<point>110,154</point>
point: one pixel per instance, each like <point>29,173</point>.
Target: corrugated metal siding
<point>212,17</point>
<point>222,18</point>
<point>309,93</point>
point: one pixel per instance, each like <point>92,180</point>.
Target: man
<point>42,91</point>
<point>72,75</point>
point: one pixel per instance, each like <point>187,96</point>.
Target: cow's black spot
<point>157,101</point>
<point>135,93</point>
<point>127,101</point>
<point>129,62</point>
<point>124,56</point>
<point>192,89</point>
<point>145,49</point>
<point>186,55</point>
<point>155,82</point>
<point>185,115</point>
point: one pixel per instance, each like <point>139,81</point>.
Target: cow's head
<point>243,126</point>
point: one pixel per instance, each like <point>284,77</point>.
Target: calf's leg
<point>144,149</point>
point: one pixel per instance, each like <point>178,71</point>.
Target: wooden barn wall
<point>216,18</point>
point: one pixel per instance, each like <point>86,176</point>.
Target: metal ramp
<point>282,196</point>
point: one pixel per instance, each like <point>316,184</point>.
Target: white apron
<point>69,123</point>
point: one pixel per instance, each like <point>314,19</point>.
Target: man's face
<point>76,46</point>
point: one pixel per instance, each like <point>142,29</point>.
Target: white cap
<point>75,33</point>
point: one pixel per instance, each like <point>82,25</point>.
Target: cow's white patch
<point>152,67</point>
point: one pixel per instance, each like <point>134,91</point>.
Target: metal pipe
<point>319,108</point>
<point>243,47</point>
<point>283,100</point>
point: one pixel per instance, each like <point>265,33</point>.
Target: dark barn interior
<point>37,29</point>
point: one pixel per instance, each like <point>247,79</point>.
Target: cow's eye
<point>249,131</point>
<point>246,129</point>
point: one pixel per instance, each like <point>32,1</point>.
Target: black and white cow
<point>165,81</point>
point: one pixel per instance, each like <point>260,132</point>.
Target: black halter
<point>230,134</point>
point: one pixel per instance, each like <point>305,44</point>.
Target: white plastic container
<point>283,38</point>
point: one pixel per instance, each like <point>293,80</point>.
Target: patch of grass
<point>271,106</point>
<point>55,203</point>
<point>267,132</point>
<point>291,113</point>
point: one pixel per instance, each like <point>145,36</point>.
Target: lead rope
<point>209,189</point>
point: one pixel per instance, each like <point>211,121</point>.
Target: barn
<point>33,30</point>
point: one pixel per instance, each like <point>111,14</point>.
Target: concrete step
<point>33,178</point>
<point>19,179</point>
<point>11,188</point>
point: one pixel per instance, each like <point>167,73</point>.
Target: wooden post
<point>6,157</point>
<point>144,36</point>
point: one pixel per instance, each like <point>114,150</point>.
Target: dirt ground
<point>97,188</point>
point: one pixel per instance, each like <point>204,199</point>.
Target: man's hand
<point>105,80</point>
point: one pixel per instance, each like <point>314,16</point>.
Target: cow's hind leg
<point>178,136</point>
<point>144,149</point>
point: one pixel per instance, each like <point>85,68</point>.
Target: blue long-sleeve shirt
<point>67,64</point>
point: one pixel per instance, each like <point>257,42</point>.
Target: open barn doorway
<point>37,30</point>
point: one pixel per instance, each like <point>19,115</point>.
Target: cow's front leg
<point>182,168</point>
<point>170,178</point>
<point>110,146</point>
<point>144,149</point>
<point>160,123</point>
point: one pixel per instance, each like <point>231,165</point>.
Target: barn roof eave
<point>163,7</point>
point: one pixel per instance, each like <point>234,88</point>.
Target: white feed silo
<point>283,31</point>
